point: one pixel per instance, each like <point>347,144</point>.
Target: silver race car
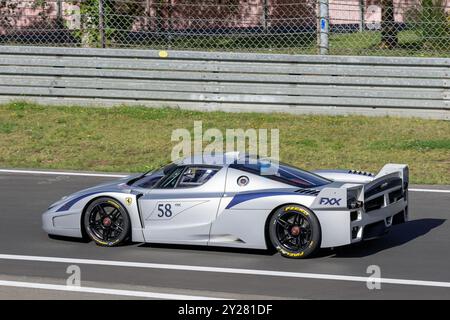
<point>237,203</point>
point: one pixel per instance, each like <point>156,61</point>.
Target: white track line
<point>105,175</point>
<point>254,272</point>
<point>430,190</point>
<point>116,292</point>
<point>61,173</point>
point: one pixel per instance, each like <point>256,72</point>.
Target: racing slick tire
<point>107,222</point>
<point>294,231</point>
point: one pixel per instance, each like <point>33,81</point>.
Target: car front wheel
<point>106,222</point>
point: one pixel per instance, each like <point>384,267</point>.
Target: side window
<point>196,176</point>
<point>170,180</point>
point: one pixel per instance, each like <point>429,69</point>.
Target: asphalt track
<point>413,258</point>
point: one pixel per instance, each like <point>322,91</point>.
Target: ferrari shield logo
<point>129,200</point>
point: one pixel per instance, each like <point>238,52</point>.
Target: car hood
<point>119,185</point>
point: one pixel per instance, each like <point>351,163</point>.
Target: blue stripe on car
<point>70,203</point>
<point>242,197</point>
<point>239,198</point>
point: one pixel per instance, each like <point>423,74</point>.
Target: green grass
<point>367,43</point>
<point>411,43</point>
<point>418,145</point>
<point>130,139</point>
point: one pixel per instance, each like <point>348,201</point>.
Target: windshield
<point>149,179</point>
<point>286,174</point>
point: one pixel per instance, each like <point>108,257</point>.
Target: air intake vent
<point>383,185</point>
<point>396,195</point>
<point>374,204</point>
<point>311,192</point>
<point>362,173</point>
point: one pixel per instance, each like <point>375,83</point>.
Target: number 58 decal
<point>168,210</point>
<point>164,210</point>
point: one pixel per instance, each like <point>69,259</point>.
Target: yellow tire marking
<point>114,204</point>
<point>290,254</point>
<point>298,209</point>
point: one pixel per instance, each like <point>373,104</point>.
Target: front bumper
<point>62,224</point>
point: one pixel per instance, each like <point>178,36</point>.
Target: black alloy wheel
<point>294,231</point>
<point>107,222</point>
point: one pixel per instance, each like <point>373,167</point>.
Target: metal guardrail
<point>228,81</point>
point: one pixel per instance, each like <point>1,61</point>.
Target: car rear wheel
<point>106,222</point>
<point>294,231</point>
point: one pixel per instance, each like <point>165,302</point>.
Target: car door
<point>182,206</point>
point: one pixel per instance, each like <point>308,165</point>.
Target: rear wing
<point>391,183</point>
<point>401,169</point>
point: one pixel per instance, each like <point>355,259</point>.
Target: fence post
<point>361,15</point>
<point>170,5</point>
<point>265,15</point>
<point>101,23</point>
<point>324,26</point>
<point>59,16</point>
<point>148,13</point>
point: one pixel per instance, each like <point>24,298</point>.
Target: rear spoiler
<point>352,196</point>
<point>401,169</point>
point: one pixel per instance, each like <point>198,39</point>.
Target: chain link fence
<point>353,27</point>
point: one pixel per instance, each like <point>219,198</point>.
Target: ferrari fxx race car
<point>237,203</point>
